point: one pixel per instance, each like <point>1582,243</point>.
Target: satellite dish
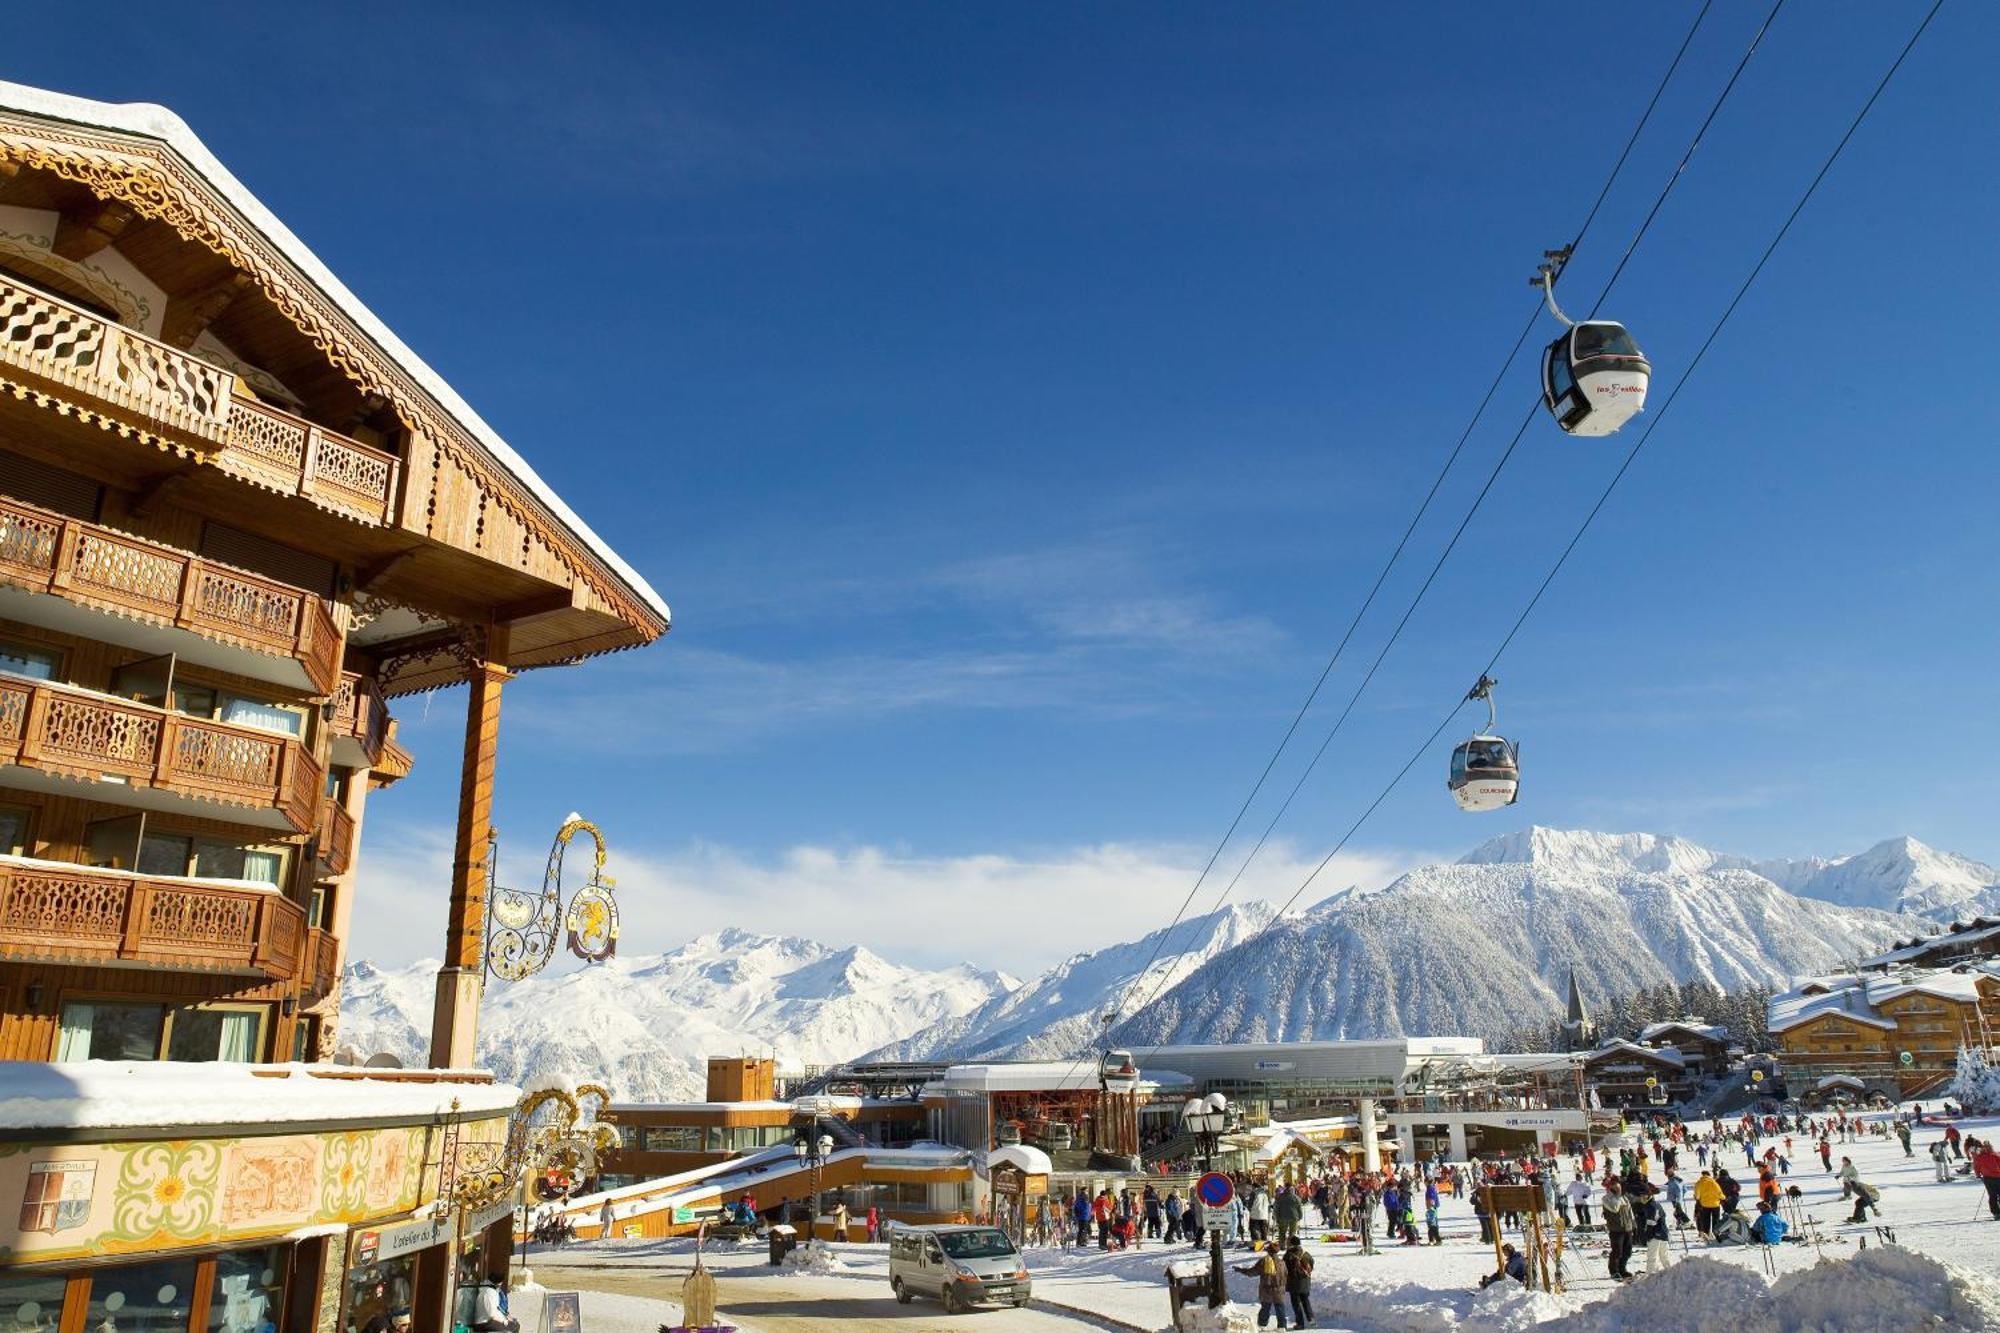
<point>382,1060</point>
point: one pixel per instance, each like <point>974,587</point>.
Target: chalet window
<point>21,659</point>
<point>124,1030</point>
<point>14,824</point>
<point>249,1289</point>
<point>209,858</point>
<point>110,1030</point>
<point>223,706</point>
<point>287,564</point>
<point>49,487</point>
<point>319,911</point>
<point>673,1138</point>
<point>157,1295</point>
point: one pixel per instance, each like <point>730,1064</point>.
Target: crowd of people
<point>1671,1176</point>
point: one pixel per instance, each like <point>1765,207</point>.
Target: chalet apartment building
<point>1902,1026</point>
<point>238,521</point>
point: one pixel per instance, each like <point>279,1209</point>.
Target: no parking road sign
<point>1214,1190</point>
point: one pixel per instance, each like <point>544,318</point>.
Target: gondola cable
<point>1423,509</point>
<point>1632,454</point>
<point>1493,476</point>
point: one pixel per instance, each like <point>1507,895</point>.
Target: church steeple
<point>1578,1031</point>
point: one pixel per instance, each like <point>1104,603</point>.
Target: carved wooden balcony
<point>71,913</point>
<point>360,719</point>
<point>74,733</point>
<point>336,837</point>
<point>108,570</point>
<point>78,362</point>
<point>323,963</point>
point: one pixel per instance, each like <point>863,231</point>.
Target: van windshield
<point>985,1243</point>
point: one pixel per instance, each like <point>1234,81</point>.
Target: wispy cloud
<point>1084,628</point>
<point>1020,912</point>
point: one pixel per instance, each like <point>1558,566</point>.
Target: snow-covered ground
<point>1943,1270</point>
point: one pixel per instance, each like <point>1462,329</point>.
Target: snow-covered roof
<point>1858,996</point>
<point>1957,936</point>
<point>1711,1031</point>
<point>155,1094</point>
<point>1031,1160</point>
<point>1275,1145</point>
<point>1618,1046</point>
<point>147,120</point>
<point>1041,1076</point>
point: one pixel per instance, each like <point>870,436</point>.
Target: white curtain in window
<point>263,865</point>
<point>73,1042</point>
<point>239,1038</point>
<point>250,713</point>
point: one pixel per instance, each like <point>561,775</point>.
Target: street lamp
<point>1207,1118</point>
<point>813,1148</point>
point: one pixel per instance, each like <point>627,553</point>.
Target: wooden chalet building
<point>1704,1047</point>
<point>1898,1030</point>
<point>239,520</point>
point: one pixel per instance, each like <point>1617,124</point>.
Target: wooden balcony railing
<point>56,348</point>
<point>336,837</point>
<point>100,567</point>
<point>74,913</point>
<point>81,734</point>
<point>358,711</point>
<point>323,955</point>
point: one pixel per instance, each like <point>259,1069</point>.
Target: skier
<point>1579,1199</point>
<point>1299,1283</point>
<point>1288,1210</point>
<point>1866,1196</point>
<point>1769,1228</point>
<point>1618,1226</point>
<point>1707,1205</point>
<point>1941,1161</point>
<point>1269,1270</point>
<point>1651,1220</point>
<point>1676,1192</point>
<point>1986,1165</point>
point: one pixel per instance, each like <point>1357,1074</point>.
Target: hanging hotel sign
<point>522,927</point>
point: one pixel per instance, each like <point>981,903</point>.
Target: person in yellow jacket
<point>1707,1205</point>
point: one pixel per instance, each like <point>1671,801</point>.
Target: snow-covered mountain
<point>650,1023</point>
<point>1480,946</point>
<point>1057,1013</point>
<point>1488,943</point>
<point>1900,875</point>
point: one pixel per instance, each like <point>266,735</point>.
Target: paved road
<point>785,1301</point>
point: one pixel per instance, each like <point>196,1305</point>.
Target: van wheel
<point>902,1292</point>
<point>950,1297</point>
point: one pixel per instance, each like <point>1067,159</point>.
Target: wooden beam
<point>155,492</point>
<point>189,314</point>
<point>528,608</point>
<point>455,1018</point>
<point>368,578</point>
<point>81,234</point>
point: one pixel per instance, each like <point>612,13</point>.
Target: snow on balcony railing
<point>61,353</point>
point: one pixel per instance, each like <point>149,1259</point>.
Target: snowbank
<point>1882,1290</point>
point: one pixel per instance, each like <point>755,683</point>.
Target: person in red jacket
<point>1986,1165</point>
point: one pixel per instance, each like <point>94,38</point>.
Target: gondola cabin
<point>1485,773</point>
<point>1594,378</point>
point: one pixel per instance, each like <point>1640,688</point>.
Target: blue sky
<point>1014,403</point>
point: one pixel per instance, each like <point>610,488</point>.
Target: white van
<point>960,1265</point>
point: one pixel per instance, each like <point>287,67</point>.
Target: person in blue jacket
<point>1769,1228</point>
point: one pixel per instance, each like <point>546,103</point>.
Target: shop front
<point>165,1212</point>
